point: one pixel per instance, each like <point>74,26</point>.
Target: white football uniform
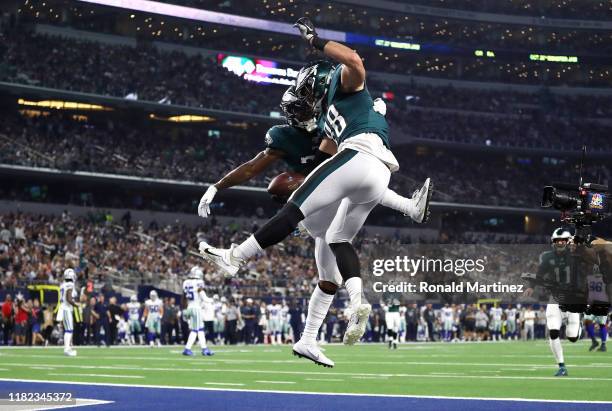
<point>193,312</point>
<point>447,315</point>
<point>511,320</point>
<point>496,314</point>
<point>274,324</point>
<point>555,317</point>
<point>64,314</point>
<point>154,309</point>
<point>134,317</point>
<point>597,293</point>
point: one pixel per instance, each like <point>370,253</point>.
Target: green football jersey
<point>349,114</point>
<point>298,145</point>
<point>555,267</point>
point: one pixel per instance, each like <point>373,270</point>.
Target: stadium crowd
<point>116,147</point>
<point>542,120</point>
<point>374,21</point>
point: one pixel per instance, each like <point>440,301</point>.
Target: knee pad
<point>554,334</point>
<point>346,259</point>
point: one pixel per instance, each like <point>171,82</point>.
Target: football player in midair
<point>348,186</point>
<point>293,144</point>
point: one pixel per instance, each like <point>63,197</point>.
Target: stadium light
<point>62,105</point>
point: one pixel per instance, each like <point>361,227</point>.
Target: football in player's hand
<point>284,184</point>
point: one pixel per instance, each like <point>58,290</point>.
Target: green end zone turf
<point>482,370</point>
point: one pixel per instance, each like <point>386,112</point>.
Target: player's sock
<point>402,204</point>
<point>354,287</point>
<point>151,339</point>
<point>555,346</point>
<point>591,331</point>
<point>67,340</point>
<point>317,310</point>
<point>191,339</point>
<point>603,333</point>
<point>202,339</point>
<point>248,248</point>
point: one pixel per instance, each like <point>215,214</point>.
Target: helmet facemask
<point>298,111</point>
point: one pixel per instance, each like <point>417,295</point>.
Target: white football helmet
<point>196,273</point>
<point>560,238</point>
<point>134,299</point>
<point>69,275</point>
<point>153,295</point>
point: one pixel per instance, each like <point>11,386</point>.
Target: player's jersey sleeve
<point>278,138</point>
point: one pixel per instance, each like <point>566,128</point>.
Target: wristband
<point>318,43</point>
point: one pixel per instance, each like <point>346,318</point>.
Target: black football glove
<point>306,28</point>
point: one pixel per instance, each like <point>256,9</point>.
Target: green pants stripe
<point>313,181</point>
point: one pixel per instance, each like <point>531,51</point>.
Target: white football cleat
<point>357,324</point>
<point>221,257</point>
<point>311,352</point>
<point>421,202</point>
<point>70,353</point>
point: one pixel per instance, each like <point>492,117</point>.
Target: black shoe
<point>594,345</point>
<point>603,348</point>
<point>390,342</point>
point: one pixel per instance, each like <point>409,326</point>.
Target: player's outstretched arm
<point>353,71</point>
<point>239,175</point>
<point>249,169</point>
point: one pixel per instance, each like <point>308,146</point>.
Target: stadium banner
<point>468,273</point>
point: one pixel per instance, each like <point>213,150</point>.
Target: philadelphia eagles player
<point>391,306</point>
<point>556,267</point>
<point>193,293</point>
<point>350,184</point>
<point>67,302</point>
<point>293,144</point>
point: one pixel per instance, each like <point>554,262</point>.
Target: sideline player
<point>496,314</point>
<point>597,295</point>
<point>555,265</point>
<point>392,320</point>
<point>511,324</point>
<point>447,319</point>
<point>350,184</point>
<point>193,292</point>
<point>68,295</point>
<point>274,322</point>
<point>153,312</point>
<point>134,320</point>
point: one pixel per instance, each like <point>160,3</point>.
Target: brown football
<point>284,184</point>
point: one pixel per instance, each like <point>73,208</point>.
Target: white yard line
<point>397,362</point>
<point>275,382</point>
<point>237,384</point>
<point>324,379</point>
<point>312,393</point>
<point>330,373</point>
<point>95,375</point>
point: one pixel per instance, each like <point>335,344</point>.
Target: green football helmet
<point>312,83</point>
